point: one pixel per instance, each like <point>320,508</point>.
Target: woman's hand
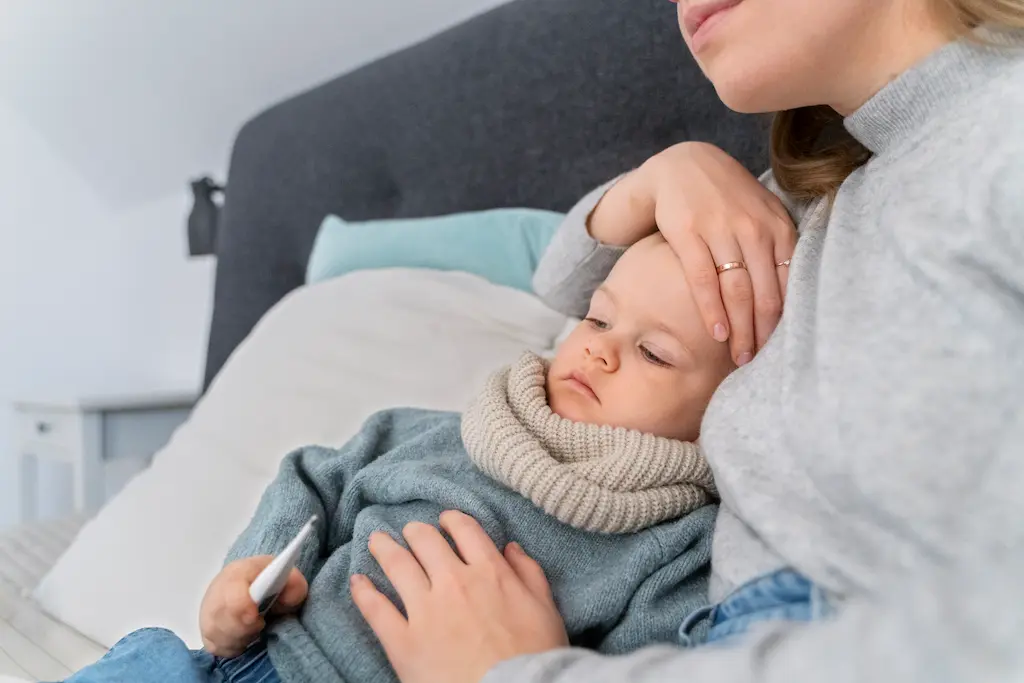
<point>465,615</point>
<point>712,211</point>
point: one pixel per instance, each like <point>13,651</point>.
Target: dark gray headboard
<point>530,104</point>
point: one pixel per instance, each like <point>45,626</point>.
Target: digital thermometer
<point>265,590</point>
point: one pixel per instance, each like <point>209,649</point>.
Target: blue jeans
<point>155,655</point>
<point>784,595</point>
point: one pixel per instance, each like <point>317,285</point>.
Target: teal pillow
<point>501,245</point>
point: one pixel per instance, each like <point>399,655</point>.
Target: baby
<point>587,462</point>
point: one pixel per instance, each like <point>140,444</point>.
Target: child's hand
<point>228,618</point>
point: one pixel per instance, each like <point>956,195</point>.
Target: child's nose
<point>604,353</point>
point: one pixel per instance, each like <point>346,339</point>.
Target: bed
<point>529,105</point>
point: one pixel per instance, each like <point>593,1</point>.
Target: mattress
<point>33,645</point>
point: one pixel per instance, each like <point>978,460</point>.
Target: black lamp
<point>204,219</point>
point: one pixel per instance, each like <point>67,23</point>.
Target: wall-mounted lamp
<point>204,219</point>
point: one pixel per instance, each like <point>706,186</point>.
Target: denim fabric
<point>784,595</point>
<point>155,655</point>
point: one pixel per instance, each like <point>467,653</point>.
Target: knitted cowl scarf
<point>596,478</point>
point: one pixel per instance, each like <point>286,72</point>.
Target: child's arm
<point>310,482</point>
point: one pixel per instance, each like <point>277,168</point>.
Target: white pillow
<point>319,363</point>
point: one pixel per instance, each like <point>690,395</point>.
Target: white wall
<point>165,84</point>
<point>91,300</point>
<point>107,108</point>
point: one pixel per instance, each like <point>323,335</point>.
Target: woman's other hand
<point>465,614</point>
<point>712,211</point>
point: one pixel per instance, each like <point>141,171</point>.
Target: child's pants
<point>155,655</point>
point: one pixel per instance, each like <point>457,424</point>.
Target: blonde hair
<point>811,152</point>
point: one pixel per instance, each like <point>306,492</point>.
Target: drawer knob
<point>43,427</point>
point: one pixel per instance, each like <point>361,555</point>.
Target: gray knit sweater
<point>617,592</point>
<point>875,444</point>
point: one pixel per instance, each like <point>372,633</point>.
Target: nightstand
<point>96,436</point>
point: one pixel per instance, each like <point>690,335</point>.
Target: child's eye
<point>597,324</point>
<point>650,357</point>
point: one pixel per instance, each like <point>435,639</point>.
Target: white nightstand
<point>93,435</point>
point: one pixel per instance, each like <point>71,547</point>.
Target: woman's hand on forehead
<point>733,237</point>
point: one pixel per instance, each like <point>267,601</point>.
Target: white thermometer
<point>265,590</point>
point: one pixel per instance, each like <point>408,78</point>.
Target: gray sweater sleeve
<point>575,264</point>
<point>312,480</point>
<point>309,482</point>
<point>956,621</point>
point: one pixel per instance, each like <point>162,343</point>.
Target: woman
<point>869,449</point>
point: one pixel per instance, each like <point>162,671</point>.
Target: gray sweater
<point>617,592</point>
<point>875,444</point>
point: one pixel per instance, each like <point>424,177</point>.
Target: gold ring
<point>731,265</point>
<point>782,263</point>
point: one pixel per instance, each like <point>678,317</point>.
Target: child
<point>588,463</point>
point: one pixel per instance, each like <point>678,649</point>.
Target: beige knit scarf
<point>597,478</point>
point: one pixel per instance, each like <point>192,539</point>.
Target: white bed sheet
<point>33,645</point>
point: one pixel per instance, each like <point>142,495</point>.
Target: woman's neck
<point>908,34</point>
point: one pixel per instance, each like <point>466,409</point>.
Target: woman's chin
<point>743,99</point>
<point>741,105</point>
<point>746,91</point>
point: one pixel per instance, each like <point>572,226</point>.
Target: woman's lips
<point>700,19</point>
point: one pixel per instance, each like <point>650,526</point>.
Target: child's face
<point>642,359</point>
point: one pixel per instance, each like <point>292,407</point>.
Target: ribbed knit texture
<point>615,592</point>
<point>596,478</point>
<point>897,112</point>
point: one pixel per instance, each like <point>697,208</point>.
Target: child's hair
<point>811,152</point>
